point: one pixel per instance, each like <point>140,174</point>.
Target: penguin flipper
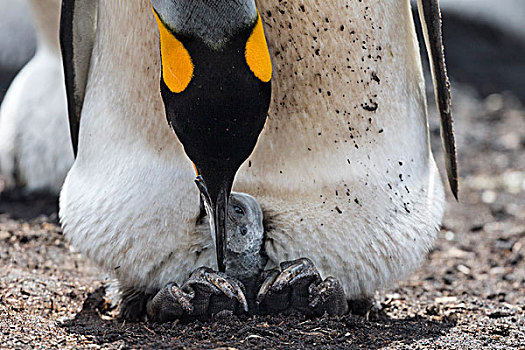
<point>430,16</point>
<point>77,38</point>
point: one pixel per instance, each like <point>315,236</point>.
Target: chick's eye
<point>238,210</point>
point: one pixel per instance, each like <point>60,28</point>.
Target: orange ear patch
<point>177,66</point>
<point>257,54</point>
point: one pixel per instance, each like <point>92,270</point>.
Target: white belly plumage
<point>343,168</point>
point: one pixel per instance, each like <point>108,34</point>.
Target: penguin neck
<point>47,17</point>
<point>212,21</point>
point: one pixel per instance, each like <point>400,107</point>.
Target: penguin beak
<point>216,196</point>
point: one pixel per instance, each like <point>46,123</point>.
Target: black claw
<point>169,304</point>
<point>294,272</point>
<point>298,287</point>
<point>217,283</point>
<point>184,299</point>
<point>328,296</point>
<point>267,285</point>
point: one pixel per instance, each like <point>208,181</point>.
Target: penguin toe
<point>297,287</point>
<point>169,304</point>
<point>215,292</point>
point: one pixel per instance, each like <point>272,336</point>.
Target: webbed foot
<point>204,294</point>
<point>298,287</point>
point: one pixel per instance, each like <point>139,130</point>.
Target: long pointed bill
<point>217,209</point>
<point>219,218</point>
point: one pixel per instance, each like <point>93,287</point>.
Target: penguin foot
<point>297,286</point>
<point>206,293</point>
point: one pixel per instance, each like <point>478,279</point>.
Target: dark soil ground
<point>469,294</point>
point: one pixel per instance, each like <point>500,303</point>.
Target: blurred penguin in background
<point>17,40</point>
<point>504,14</point>
<point>35,151</point>
<point>485,41</point>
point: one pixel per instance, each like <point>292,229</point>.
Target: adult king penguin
<point>343,168</point>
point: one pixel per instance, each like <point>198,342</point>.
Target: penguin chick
<point>207,292</point>
<point>245,256</point>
